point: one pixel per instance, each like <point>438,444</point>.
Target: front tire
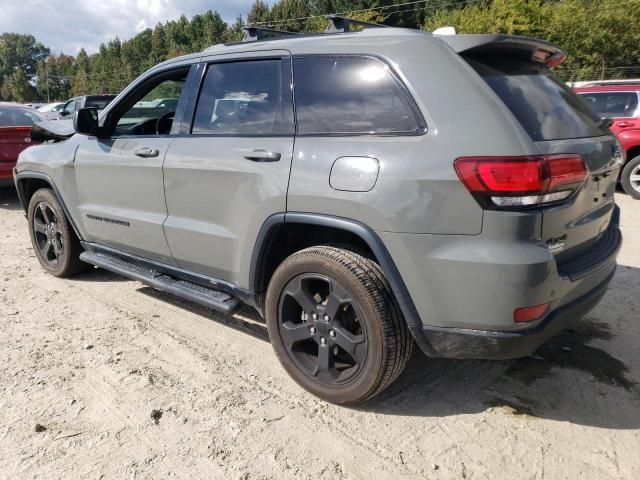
<point>630,178</point>
<point>335,325</point>
<point>54,242</point>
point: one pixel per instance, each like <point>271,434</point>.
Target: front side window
<point>612,104</point>
<point>350,95</point>
<point>153,109</point>
<point>70,106</point>
<point>99,102</point>
<point>244,98</point>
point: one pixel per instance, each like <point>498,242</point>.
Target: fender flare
<point>369,236</point>
<point>27,174</point>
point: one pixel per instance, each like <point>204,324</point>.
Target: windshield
<point>545,107</point>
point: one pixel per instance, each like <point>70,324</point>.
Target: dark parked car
<point>99,102</point>
<point>15,127</point>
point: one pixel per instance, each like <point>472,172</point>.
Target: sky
<point>68,25</point>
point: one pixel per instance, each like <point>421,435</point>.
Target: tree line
<point>602,38</point>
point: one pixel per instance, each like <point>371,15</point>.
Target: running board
<point>214,299</point>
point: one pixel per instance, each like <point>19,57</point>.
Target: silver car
<point>364,191</point>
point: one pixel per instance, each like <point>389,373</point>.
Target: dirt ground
<point>90,359</point>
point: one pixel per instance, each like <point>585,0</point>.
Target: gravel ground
<point>105,378</point>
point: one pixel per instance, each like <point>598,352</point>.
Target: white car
<point>51,107</point>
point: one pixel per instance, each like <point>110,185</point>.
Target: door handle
<point>262,156</point>
<point>147,152</point>
<point>625,124</point>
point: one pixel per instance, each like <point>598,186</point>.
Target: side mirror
<point>85,121</point>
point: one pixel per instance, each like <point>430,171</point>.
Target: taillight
<point>521,181</point>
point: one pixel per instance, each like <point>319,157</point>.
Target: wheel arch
<point>633,152</point>
<point>271,248</point>
<point>27,183</point>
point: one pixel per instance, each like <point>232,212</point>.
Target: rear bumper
<point>489,345</point>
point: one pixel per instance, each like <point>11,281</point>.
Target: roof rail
<point>253,33</point>
<point>338,23</point>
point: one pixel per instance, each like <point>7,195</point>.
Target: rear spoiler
<point>524,48</point>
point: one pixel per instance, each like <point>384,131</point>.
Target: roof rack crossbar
<point>254,33</point>
<point>338,23</point>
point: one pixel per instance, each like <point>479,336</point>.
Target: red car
<point>15,129</point>
<point>621,103</point>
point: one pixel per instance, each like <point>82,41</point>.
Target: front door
<point>121,194</point>
<point>230,172</point>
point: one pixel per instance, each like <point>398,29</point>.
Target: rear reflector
<point>522,181</point>
<point>529,314</point>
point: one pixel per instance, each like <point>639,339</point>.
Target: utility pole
<point>46,74</point>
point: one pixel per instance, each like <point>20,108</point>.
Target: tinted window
<point>544,106</point>
<point>244,98</point>
<point>99,103</point>
<point>18,117</point>
<point>612,104</point>
<point>350,95</point>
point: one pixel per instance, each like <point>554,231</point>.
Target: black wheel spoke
<point>325,359</point>
<point>293,333</point>
<point>45,215</point>
<point>349,342</point>
<point>337,297</point>
<point>46,248</point>
<point>296,289</point>
<point>57,248</point>
<point>39,227</point>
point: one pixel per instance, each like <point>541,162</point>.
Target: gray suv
<point>363,190</point>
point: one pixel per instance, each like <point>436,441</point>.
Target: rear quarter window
<point>351,95</point>
<point>545,107</point>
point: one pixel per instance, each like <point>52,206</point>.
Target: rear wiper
<point>605,122</point>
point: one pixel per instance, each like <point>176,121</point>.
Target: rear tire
<point>359,348</point>
<point>630,178</point>
<point>54,242</point>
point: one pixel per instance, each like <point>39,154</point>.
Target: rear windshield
<point>99,103</point>
<point>546,107</point>
<point>18,117</point>
<point>612,104</point>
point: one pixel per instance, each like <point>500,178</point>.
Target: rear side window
<point>245,98</point>
<point>350,95</point>
<point>545,107</point>
<point>612,104</point>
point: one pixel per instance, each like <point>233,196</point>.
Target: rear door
<point>228,173</point>
<point>558,121</point>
